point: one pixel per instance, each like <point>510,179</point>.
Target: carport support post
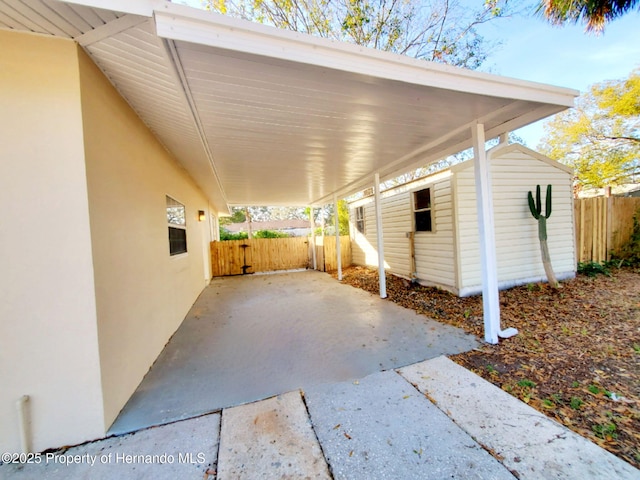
<point>337,224</point>
<point>313,238</point>
<point>490,297</point>
<point>382,279</point>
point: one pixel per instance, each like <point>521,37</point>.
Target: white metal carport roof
<point>261,116</point>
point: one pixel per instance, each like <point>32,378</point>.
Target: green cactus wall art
<point>536,211</point>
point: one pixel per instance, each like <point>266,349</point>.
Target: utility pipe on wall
<point>24,418</point>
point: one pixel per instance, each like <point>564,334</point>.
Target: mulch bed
<point>577,355</point>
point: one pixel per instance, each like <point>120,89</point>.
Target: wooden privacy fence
<point>326,257</point>
<point>235,257</point>
<point>603,226</point>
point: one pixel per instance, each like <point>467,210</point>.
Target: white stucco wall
<point>142,293</point>
<point>48,330</point>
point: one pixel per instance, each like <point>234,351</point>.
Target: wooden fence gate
<point>603,225</point>
<point>237,257</point>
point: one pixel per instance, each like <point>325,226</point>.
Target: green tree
<point>237,216</point>
<point>437,30</point>
<point>343,217</point>
<point>595,14</point>
<point>600,137</point>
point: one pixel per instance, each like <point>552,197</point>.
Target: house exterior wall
<point>515,171</point>
<point>142,293</point>
<point>48,329</point>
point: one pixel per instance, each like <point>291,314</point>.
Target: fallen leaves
<point>576,358</point>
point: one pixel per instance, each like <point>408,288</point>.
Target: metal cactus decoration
<point>536,211</point>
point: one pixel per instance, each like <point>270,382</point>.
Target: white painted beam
<point>337,225</point>
<point>313,238</point>
<point>490,296</point>
<point>382,279</point>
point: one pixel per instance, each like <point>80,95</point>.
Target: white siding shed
<point>447,253</point>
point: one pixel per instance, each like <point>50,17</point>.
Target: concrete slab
<point>252,337</point>
<point>381,427</point>
<point>270,439</point>
<point>529,443</point>
<point>184,450</point>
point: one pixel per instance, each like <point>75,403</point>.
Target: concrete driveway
<point>251,337</point>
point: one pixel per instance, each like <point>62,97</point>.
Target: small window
<point>360,219</point>
<point>422,210</point>
<point>177,222</point>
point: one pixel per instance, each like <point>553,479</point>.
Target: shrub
<point>227,235</point>
<point>592,269</point>
<point>270,234</point>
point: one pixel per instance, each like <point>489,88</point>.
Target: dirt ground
<point>577,355</point>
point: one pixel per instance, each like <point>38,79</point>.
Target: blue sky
<point>564,56</point>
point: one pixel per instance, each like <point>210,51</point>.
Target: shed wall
<point>435,259</point>
<point>434,250</point>
<point>396,221</point>
<point>450,255</point>
<point>514,173</point>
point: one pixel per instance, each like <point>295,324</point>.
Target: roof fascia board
<point>135,7</point>
<point>178,22</point>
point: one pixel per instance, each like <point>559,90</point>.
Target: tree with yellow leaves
<point>600,137</point>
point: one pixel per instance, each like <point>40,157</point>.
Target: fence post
<point>583,233</point>
<point>609,207</point>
